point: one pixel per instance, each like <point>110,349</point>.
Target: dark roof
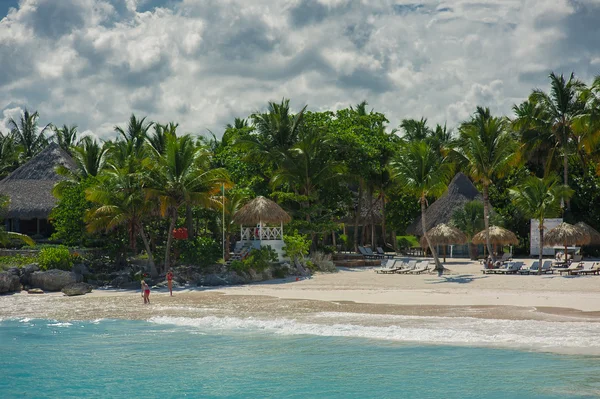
<point>460,191</point>
<point>370,211</point>
<point>30,186</point>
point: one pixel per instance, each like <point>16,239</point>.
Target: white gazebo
<point>261,223</point>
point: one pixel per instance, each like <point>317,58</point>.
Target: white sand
<point>466,285</point>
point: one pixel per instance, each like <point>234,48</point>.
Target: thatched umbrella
<point>566,234</point>
<point>592,232</point>
<point>442,234</point>
<point>498,236</point>
<point>261,210</point>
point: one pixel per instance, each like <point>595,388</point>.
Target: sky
<point>202,63</point>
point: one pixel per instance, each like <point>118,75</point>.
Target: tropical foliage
<point>345,176</point>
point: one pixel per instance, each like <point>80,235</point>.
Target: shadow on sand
<point>461,279</point>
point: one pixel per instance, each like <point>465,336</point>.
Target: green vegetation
<point>257,260</point>
<point>346,177</point>
<point>55,258</point>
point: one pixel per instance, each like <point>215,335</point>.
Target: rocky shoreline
<point>80,280</point>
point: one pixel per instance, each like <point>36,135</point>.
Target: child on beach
<point>145,292</point>
<point>170,281</point>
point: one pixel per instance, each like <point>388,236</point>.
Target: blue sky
<point>203,62</point>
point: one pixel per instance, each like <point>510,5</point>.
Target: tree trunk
<point>153,271</point>
<point>542,246</point>
<point>169,241</point>
<point>333,242</point>
<point>373,235</point>
<point>438,266</point>
<point>472,251</point>
<point>486,219</point>
<point>394,241</point>
<point>189,222</point>
<point>357,218</point>
<point>383,224</point>
<point>566,173</point>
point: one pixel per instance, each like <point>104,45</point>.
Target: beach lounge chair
<point>423,267</point>
<point>511,268</point>
<point>531,269</point>
<point>587,269</point>
<point>412,265</point>
<point>506,257</point>
<point>547,267</point>
<point>370,252</point>
<point>494,270</point>
<point>365,254</point>
<point>577,258</point>
<point>391,263</point>
<point>382,253</point>
<point>571,269</point>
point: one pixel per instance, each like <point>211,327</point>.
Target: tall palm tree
<point>158,140</point>
<point>131,142</point>
<point>540,198</point>
<point>182,176</point>
<point>65,136</point>
<point>486,150</point>
<point>233,202</point>
<point>562,105</point>
<point>415,130</point>
<point>424,173</point>
<point>277,131</point>
<point>27,134</point>
<point>120,200</point>
<point>538,144</point>
<point>9,155</point>
<point>469,220</point>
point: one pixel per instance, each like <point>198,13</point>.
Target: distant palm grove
<point>346,177</point>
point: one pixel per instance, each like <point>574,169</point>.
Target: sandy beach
<point>464,290</point>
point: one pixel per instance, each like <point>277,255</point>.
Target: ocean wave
<point>58,324</point>
<point>577,337</point>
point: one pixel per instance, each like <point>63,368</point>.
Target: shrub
<point>258,260</point>
<point>323,262</point>
<point>55,258</point>
<point>296,246</point>
<point>202,251</point>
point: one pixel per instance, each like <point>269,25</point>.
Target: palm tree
<point>158,140</point>
<point>277,131</point>
<point>540,198</point>
<point>538,144</point>
<point>233,202</point>
<point>7,236</point>
<point>469,220</point>
<point>132,140</point>
<point>424,173</point>
<point>9,156</point>
<point>182,176</point>
<point>65,136</point>
<point>120,200</point>
<point>26,134</point>
<point>486,150</point>
<point>415,130</point>
<point>562,106</point>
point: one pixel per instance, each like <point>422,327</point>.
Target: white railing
<point>264,233</point>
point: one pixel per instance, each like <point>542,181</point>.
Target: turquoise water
<point>124,359</point>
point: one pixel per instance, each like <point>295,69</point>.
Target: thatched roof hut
<point>460,191</point>
<point>498,236</point>
<point>260,209</point>
<point>443,234</point>
<point>566,234</point>
<point>592,232</point>
<point>30,186</point>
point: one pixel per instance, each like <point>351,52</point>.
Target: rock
<point>80,268</point>
<point>27,271</point>
<point>53,280</point>
<point>14,270</point>
<point>121,281</point>
<point>35,291</point>
<point>77,289</point>
<point>9,283</point>
<point>212,280</point>
<point>234,279</point>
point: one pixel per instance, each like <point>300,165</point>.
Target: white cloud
<point>201,63</point>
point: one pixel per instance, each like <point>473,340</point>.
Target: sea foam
<point>576,337</point>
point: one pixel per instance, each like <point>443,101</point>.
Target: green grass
<point>414,242</point>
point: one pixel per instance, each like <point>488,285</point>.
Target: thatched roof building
<point>30,186</point>
<point>460,191</point>
<point>261,209</point>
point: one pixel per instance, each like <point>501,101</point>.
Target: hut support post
<point>37,220</point>
<point>281,224</point>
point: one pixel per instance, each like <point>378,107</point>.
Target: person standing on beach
<point>145,292</point>
<point>170,281</point>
